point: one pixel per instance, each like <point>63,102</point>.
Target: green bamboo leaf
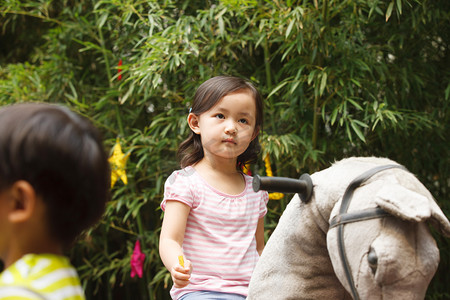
<point>342,120</point>
<point>299,72</point>
<point>363,65</point>
<point>263,36</point>
<point>323,83</point>
<point>354,103</point>
<point>287,51</point>
<point>334,115</point>
<point>221,26</point>
<point>294,87</point>
<point>355,82</point>
<point>447,92</point>
<point>371,12</point>
<point>375,124</point>
<point>102,20</point>
<point>389,10</point>
<point>277,88</point>
<point>221,13</point>
<point>357,130</point>
<point>127,94</point>
<point>289,29</point>
<point>349,132</point>
<point>311,76</point>
<point>362,124</point>
<point>399,6</point>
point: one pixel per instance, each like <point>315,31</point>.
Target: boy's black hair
<point>208,94</point>
<point>60,154</point>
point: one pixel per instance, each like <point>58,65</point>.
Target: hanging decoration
<point>137,261</point>
<point>118,161</point>
<point>272,196</point>
<point>119,70</point>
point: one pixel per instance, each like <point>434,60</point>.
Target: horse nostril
<point>372,258</point>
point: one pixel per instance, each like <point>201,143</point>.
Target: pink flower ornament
<point>137,261</point>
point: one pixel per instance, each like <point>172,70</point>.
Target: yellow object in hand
<point>181,260</point>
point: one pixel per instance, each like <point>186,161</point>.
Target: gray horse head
<point>390,257</point>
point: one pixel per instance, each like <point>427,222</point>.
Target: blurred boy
<point>54,182</point>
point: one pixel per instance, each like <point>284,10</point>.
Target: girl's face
<point>227,128</point>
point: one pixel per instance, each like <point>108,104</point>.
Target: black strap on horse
<point>344,217</point>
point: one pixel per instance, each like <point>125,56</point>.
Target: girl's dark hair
<point>208,94</point>
<point>60,154</point>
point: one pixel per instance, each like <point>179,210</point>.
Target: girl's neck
<point>223,166</point>
<point>223,177</point>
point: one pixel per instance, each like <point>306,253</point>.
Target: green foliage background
<point>339,78</point>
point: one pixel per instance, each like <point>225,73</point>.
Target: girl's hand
<point>180,275</point>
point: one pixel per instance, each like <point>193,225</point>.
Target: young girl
<point>213,228</point>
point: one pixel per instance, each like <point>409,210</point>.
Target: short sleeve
<point>263,204</point>
<point>178,188</point>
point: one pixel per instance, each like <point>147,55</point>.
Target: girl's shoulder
<point>180,186</point>
<point>248,180</point>
<point>181,176</point>
<point>264,195</point>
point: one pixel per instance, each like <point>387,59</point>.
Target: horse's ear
<point>403,203</point>
<point>411,206</point>
<point>439,220</point>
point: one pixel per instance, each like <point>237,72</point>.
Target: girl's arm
<point>260,236</point>
<point>171,239</point>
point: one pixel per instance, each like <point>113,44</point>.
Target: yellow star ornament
<point>118,160</point>
<point>272,196</point>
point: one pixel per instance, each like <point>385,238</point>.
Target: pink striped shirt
<point>220,232</point>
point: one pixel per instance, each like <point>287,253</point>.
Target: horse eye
<point>372,258</point>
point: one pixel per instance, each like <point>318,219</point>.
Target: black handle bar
<point>303,186</point>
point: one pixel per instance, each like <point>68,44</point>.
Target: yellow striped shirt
<point>41,276</point>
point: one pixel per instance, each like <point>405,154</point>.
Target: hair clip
<point>190,110</point>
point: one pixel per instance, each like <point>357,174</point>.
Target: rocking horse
<point>355,230</point>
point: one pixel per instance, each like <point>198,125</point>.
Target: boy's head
<point>60,155</point>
